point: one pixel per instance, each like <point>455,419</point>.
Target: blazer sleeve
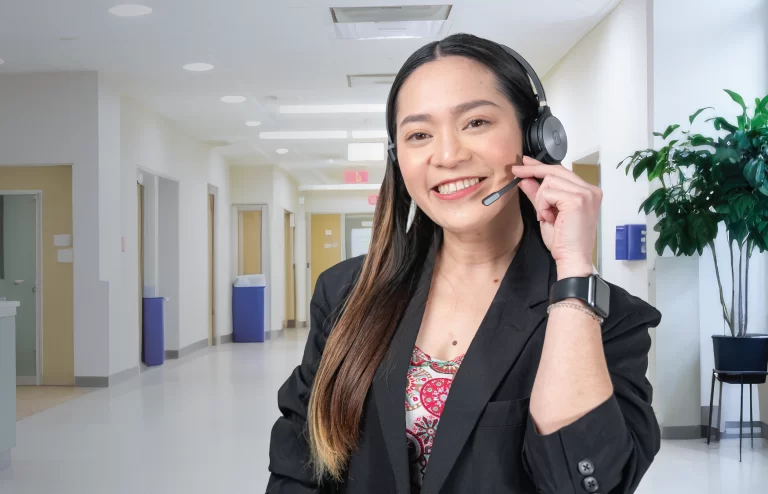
<point>291,472</point>
<point>610,448</point>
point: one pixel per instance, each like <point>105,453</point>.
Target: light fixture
<point>369,134</point>
<point>232,99</point>
<point>281,151</point>
<point>252,123</point>
<point>306,134</point>
<point>304,109</point>
<point>198,67</point>
<point>391,30</point>
<point>365,151</point>
<point>2,61</point>
<point>398,13</point>
<point>130,10</point>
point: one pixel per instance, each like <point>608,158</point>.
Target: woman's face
<point>457,135</point>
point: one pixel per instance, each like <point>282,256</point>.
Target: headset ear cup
<point>530,138</point>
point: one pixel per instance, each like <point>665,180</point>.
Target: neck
<point>484,251</point>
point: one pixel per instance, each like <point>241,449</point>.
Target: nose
<point>449,150</point>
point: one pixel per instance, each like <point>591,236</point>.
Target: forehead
<point>445,83</point>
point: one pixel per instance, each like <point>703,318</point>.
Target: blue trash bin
<point>153,338</point>
<point>248,309</point>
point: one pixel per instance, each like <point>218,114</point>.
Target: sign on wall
<point>355,177</point>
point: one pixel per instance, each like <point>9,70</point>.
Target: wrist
<point>574,270</point>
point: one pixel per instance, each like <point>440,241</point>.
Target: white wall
<point>153,143</point>
<point>599,90</point>
<point>285,194</point>
<point>168,254</point>
<point>692,66</point>
<point>344,202</point>
<point>53,119</point>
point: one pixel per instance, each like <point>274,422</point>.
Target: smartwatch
<point>591,290</point>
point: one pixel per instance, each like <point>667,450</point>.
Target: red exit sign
<point>352,177</point>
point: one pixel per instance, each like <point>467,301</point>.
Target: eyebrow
<point>456,110</point>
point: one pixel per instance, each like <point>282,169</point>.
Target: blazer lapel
<point>390,380</point>
<point>515,314</point>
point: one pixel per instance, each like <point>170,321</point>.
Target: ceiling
<point>273,53</point>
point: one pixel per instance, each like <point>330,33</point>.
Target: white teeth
<point>453,187</point>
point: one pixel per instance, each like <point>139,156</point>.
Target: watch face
<point>602,296</point>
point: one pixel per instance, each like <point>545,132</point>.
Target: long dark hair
<point>362,334</point>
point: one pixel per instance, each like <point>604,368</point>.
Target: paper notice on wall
<point>62,240</point>
<point>361,240</point>
<point>65,255</point>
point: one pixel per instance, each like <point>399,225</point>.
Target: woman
<point>432,364</point>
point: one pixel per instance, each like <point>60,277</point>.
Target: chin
<point>463,222</point>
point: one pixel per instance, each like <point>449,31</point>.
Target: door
<point>590,174</point>
<point>325,250</point>
<point>357,234</point>
<point>290,278</point>
<point>140,250</point>
<point>250,242</point>
<point>19,279</point>
<point>211,338</point>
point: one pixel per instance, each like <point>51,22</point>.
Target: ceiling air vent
<point>404,13</point>
<point>370,80</point>
<point>413,21</point>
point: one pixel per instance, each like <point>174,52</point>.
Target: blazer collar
<point>516,312</point>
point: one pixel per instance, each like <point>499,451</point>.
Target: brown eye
<point>418,136</point>
<point>476,123</point>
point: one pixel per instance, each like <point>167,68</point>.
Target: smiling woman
<point>468,351</point>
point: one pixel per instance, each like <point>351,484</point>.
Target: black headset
<point>544,135</point>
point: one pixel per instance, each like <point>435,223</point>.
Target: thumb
<point>530,188</point>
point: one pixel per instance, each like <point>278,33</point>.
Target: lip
<point>460,194</point>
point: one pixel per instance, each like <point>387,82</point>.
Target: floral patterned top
<point>429,381</point>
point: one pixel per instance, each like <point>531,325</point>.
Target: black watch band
<point>592,290</point>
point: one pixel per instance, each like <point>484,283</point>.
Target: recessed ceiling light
<point>282,151</point>
<point>130,10</point>
<point>369,134</point>
<point>198,67</point>
<point>232,99</point>
<point>398,13</point>
<point>303,109</point>
<point>365,152</point>
<point>2,61</point>
<point>252,123</point>
<point>307,134</point>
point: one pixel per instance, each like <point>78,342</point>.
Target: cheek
<point>414,178</point>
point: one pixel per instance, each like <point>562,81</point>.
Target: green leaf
<point>762,106</point>
<point>700,140</point>
<point>759,121</point>
<point>669,130</point>
<point>737,98</point>
<point>721,123</point>
<point>693,117</point>
<point>641,166</point>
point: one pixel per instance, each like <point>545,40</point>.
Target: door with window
<point>18,277</point>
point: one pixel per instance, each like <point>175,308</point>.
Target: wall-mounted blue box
<point>631,242</point>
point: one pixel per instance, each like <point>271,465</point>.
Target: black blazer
<point>486,442</point>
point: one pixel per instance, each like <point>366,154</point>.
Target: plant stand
<point>716,374</point>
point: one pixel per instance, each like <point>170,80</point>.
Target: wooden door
<point>211,310</point>
<point>250,242</point>
<point>140,249</point>
<point>590,174</point>
<point>325,249</point>
<point>290,285</point>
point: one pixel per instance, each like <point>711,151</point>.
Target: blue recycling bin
<point>153,338</point>
<point>248,309</point>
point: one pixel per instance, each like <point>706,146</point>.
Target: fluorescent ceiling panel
<point>342,15</point>
<point>370,80</point>
<point>365,151</point>
<point>312,109</point>
<point>391,30</point>
<point>339,187</point>
<point>369,134</point>
<point>305,134</point>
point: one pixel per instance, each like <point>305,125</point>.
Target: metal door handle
<point>18,282</point>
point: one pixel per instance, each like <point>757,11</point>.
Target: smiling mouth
<point>455,187</point>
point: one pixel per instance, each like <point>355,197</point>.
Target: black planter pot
<point>749,353</point>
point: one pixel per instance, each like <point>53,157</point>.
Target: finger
<point>555,182</point>
<point>530,188</point>
<point>542,171</point>
<point>546,203</point>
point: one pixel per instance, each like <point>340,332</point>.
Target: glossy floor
<point>34,399</point>
<point>201,425</point>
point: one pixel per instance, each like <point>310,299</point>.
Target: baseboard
<point>183,352</point>
<point>291,324</point>
<point>227,338</point>
<point>26,381</point>
<point>679,432</point>
<point>5,459</point>
<point>122,376</point>
<point>92,381</point>
<point>275,334</point>
<point>764,430</point>
<point>301,324</point>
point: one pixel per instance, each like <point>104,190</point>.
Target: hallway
<point>202,424</point>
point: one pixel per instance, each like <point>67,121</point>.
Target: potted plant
<point>707,181</point>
